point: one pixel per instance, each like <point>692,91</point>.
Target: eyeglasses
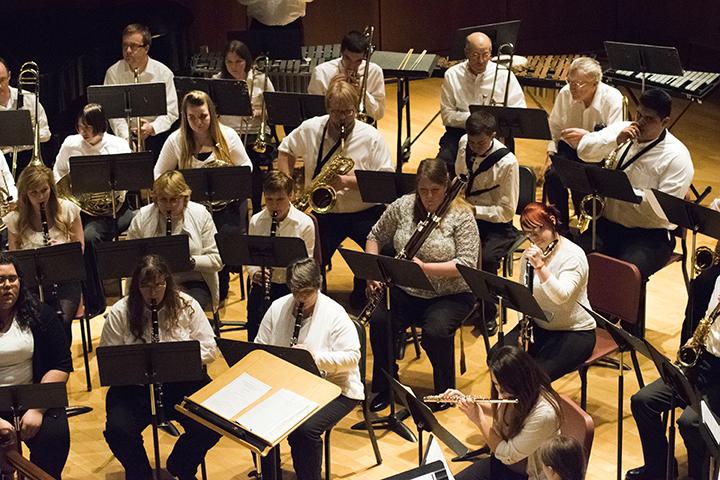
<point>8,279</point>
<point>153,286</point>
<point>577,84</point>
<point>532,231</point>
<point>134,47</point>
<point>346,113</point>
<point>172,200</point>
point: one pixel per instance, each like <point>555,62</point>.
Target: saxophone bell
<point>704,258</point>
<point>689,354</point>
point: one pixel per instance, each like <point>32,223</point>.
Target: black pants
<point>557,352</point>
<point>557,195</point>
<point>65,299</point>
<point>438,317</point>
<point>648,249</point>
<point>128,414</point>
<point>155,143</point>
<point>200,291</point>
<point>231,218</point>
<point>489,468</point>
<point>256,306</point>
<point>50,446</point>
<point>336,227</point>
<point>651,401</point>
<point>701,288</point>
<point>449,147</point>
<point>306,445</point>
<point>97,230</point>
<point>278,41</point>
<point>496,239</point>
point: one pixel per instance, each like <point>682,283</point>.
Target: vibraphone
<point>693,85</point>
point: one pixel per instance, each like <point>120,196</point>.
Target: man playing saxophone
<point>318,141</point>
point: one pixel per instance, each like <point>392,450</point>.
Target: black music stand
<point>15,131</point>
<point>500,34</point>
<point>150,364</point>
<point>531,123</point>
<point>17,398</point>
<point>384,187</point>
<point>218,184</point>
<point>644,59</point>
<point>591,179</point>
<point>435,470</point>
<point>710,431</point>
<point>119,259</point>
<point>397,272</point>
<point>230,96</point>
<point>425,420</point>
<point>289,108</point>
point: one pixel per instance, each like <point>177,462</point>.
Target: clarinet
<point>421,233</point>
<point>526,332</point>
<point>267,272</point>
<point>168,225</point>
<point>298,324</point>
<point>157,387</point>
<point>44,224</point>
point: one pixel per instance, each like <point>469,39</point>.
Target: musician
<point>317,140</point>
<point>471,83</point>
<point>202,142</point>
<point>584,105</point>
<point>654,158</point>
<point>99,226</point>
<point>171,198</point>
<point>129,322</point>
<point>563,458</point>
<point>238,66</point>
<point>277,26</point>
<point>12,98</point>
<point>136,40</point>
<point>655,398</point>
<point>34,351</point>
<point>351,67</point>
<point>329,335</point>
<point>560,275</point>
<point>493,190</point>
<point>439,313</point>
<point>26,229</point>
<point>514,432</point>
<point>291,222</point>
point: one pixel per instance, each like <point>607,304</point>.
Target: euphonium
<point>29,79</point>
<point>362,111</point>
<point>704,258</point>
<point>689,353</point>
<point>320,196</point>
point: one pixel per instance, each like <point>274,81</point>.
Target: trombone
<point>260,65</point>
<point>511,48</point>
<point>362,110</point>
<point>29,79</point>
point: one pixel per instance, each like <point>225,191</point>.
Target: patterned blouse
<point>456,238</point>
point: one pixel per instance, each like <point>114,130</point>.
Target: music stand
<point>590,179</point>
<point>119,259</point>
<point>16,398</point>
<point>400,273</point>
<point>218,184</point>
<point>531,123</point>
<point>434,470</point>
<point>289,108</point>
<point>235,350</point>
<point>150,364</point>
<point>644,59</point>
<point>15,131</point>
<point>500,34</point>
<point>384,187</point>
<point>230,96</point>
<point>710,431</point>
<point>425,420</point>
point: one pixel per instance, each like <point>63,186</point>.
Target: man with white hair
<point>584,105</point>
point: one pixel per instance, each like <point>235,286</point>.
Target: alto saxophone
<point>689,353</point>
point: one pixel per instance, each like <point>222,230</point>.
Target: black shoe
<point>380,402</point>
<point>492,328</point>
<point>642,473</point>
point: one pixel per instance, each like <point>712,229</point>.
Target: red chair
<point>577,424</point>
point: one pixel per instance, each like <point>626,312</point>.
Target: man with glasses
<point>317,140</point>
<point>472,82</point>
<point>584,105</point>
<point>136,40</point>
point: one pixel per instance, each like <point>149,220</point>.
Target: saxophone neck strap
<point>624,166</point>
<point>321,161</point>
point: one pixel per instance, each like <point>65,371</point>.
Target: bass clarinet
<point>526,333</point>
<point>421,233</point>
<point>157,387</point>
<point>298,324</point>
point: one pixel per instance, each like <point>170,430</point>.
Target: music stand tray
<point>500,34</point>
<point>119,259</point>
<point>33,395</point>
<point>129,99</point>
<point>16,128</point>
<point>384,187</point>
<point>230,96</point>
<point>117,171</point>
<point>287,108</point>
<point>531,123</point>
<point>240,249</point>
<point>53,264</point>
<point>218,184</point>
<point>235,350</point>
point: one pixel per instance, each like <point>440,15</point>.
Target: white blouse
<point>61,231</point>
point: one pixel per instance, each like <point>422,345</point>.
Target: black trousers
<point>648,249</point>
<point>279,41</point>
<point>65,299</point>
<point>449,147</point>
<point>306,445</point>
<point>50,446</point>
<point>557,195</point>
<point>557,352</point>
<point>336,227</point>
<point>489,468</point>
<point>256,307</point>
<point>651,401</point>
<point>701,288</point>
<point>496,239</point>
<point>231,218</point>
<point>128,414</point>
<point>438,317</point>
<point>200,291</point>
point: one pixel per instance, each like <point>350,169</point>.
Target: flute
<point>470,398</point>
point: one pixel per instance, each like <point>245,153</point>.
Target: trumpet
<point>704,258</point>
<point>362,111</point>
<point>466,398</point>
<point>29,79</point>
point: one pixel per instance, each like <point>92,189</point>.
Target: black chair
<point>528,185</point>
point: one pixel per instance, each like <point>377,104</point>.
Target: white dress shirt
<point>712,345</point>
<point>666,167</point>
<point>275,12</point>
<point>8,181</point>
<point>28,104</point>
<point>76,146</point>
<point>60,231</point>
<point>296,225</point>
<point>155,72</point>
<point>374,94</point>
<point>192,325</point>
<point>462,88</point>
<point>365,145</point>
<point>605,109</point>
<point>497,205</point>
<point>198,225</point>
<point>169,158</point>
<point>250,125</point>
<point>328,333</point>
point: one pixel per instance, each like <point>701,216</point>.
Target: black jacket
<point>51,350</point>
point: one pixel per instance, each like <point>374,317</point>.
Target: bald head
<point>478,41</point>
<point>478,48</point>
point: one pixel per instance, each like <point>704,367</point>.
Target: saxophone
<point>689,353</point>
<point>298,324</point>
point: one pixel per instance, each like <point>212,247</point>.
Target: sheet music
<point>236,395</point>
<point>271,418</point>
<point>710,420</point>
<point>433,454</point>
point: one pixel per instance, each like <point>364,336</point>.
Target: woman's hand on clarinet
<point>535,256</point>
<point>260,277</point>
<point>372,287</point>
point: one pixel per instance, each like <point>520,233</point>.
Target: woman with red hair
<point>560,276</point>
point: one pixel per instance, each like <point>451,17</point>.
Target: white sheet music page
<point>236,395</point>
<point>271,418</point>
<point>709,419</point>
<point>434,453</point>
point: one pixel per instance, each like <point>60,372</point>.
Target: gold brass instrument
<point>320,196</point>
<point>689,353</point>
<point>140,146</point>
<point>98,204</point>
<point>704,258</point>
<point>362,110</point>
<point>260,65</point>
<point>29,79</point>
<point>467,398</point>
